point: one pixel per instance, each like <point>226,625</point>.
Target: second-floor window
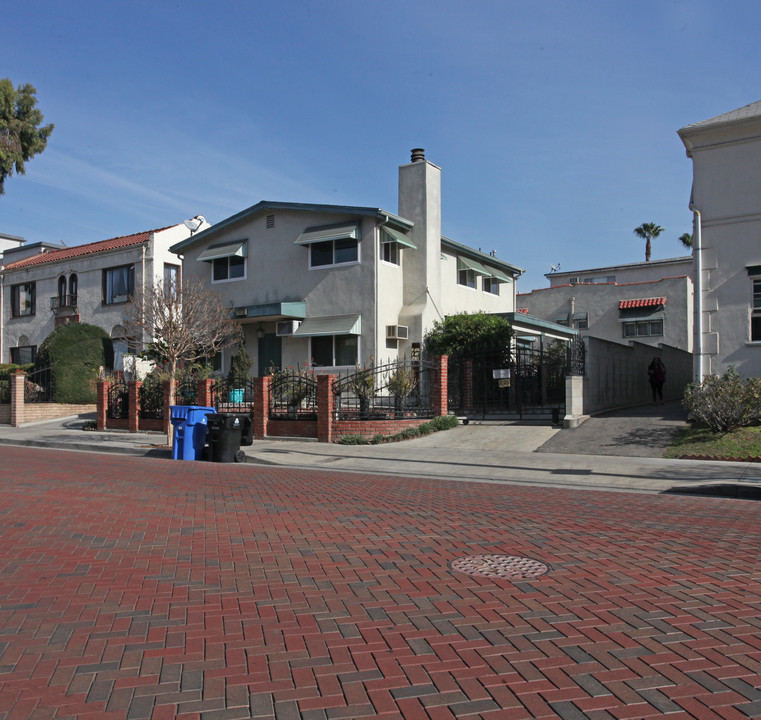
<point>118,284</point>
<point>466,277</point>
<point>23,299</point>
<point>491,285</point>
<point>232,267</point>
<point>334,252</point>
<point>755,311</point>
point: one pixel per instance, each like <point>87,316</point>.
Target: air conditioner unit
<point>397,332</point>
<point>286,327</point>
<point>573,281</point>
<point>241,312</point>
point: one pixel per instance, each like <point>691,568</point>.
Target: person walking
<point>656,371</point>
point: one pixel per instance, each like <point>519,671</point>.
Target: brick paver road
<point>137,588</point>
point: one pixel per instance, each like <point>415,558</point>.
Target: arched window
<point>73,289</point>
<point>62,291</point>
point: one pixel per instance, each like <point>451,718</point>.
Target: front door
<point>270,353</point>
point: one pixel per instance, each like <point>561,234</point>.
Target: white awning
<point>330,325</point>
<point>329,232</point>
<point>233,249</point>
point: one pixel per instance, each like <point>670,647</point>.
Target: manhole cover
<point>509,567</point>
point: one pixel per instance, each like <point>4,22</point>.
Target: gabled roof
<point>747,112</point>
<point>265,205</point>
<point>67,253</point>
<point>641,302</point>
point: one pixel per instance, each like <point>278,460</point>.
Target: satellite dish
<point>194,223</point>
<point>554,268</point>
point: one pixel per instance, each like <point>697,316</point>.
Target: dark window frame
<point>130,284</point>
<point>332,249</point>
<point>15,299</point>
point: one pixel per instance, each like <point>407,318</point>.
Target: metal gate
<point>525,383</point>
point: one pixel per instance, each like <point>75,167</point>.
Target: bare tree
<point>180,322</point>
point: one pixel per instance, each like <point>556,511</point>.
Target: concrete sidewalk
<point>499,452</point>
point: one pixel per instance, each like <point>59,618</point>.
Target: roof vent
<point>418,155</point>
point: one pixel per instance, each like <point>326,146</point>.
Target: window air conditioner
<point>286,327</point>
<point>397,332</point>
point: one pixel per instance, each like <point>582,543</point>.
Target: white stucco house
<point>51,285</point>
<point>726,199</point>
<point>650,302</point>
<point>337,285</point>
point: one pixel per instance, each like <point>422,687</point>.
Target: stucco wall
<point>601,303</point>
<point>616,375</point>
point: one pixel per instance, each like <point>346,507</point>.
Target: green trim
<point>459,249</point>
<point>464,263</point>
<point>390,235</point>
<point>285,310</point>
<point>238,248</point>
<point>498,274</point>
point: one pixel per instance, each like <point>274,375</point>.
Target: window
<point>643,328</point>
<point>24,354</point>
<point>580,320</point>
<point>334,252</point>
<point>171,279</point>
<point>61,291</point>
<point>335,350</point>
<point>73,289</point>
<point>390,253</point>
<point>466,277</point>
<point>755,312</point>
<point>118,284</point>
<point>232,267</point>
<point>491,285</point>
<point>23,299</point>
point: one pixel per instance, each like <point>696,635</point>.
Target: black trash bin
<point>224,437</point>
<point>246,430</point>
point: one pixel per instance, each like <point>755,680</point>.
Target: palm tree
<point>649,231</point>
<point>686,240</point>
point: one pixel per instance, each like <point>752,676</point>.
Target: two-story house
<point>87,283</point>
<point>726,200</point>
<point>650,302</point>
<point>337,285</point>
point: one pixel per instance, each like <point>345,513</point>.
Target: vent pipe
<point>418,155</point>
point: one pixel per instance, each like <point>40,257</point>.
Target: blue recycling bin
<point>189,431</point>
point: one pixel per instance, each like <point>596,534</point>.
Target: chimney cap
<point>418,155</point>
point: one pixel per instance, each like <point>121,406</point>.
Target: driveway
<point>644,431</point>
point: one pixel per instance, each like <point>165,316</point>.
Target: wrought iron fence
<point>397,389</point>
<point>293,395</point>
<point>117,406</point>
<point>187,391</point>
<point>151,398</point>
<point>233,398</point>
<point>576,362</point>
<point>39,386</point>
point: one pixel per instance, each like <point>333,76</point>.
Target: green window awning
<point>238,248</point>
<point>330,325</point>
<point>328,232</point>
<point>391,235</point>
<point>464,263</point>
<point>498,274</point>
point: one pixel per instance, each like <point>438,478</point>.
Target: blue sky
<point>554,122</point>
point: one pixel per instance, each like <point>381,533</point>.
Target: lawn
<point>699,440</point>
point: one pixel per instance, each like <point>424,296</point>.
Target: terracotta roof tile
<point>642,302</point>
<point>88,249</point>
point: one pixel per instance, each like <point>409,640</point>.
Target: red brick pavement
<point>136,588</point>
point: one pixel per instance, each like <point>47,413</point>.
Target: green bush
<point>354,440</point>
<point>75,353</point>
<point>724,402</point>
<point>468,333</point>
<point>240,365</point>
<point>444,422</point>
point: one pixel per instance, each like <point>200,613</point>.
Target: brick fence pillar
<point>325,408</point>
<point>439,388</point>
<point>261,411</point>
<point>134,405</point>
<point>204,396</point>
<point>17,398</point>
<point>103,387</point>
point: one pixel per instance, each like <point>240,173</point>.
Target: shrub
<point>240,365</point>
<point>379,439</point>
<point>724,402</point>
<point>354,440</point>
<point>444,422</point>
<point>410,432</point>
<point>75,353</point>
<point>468,333</point>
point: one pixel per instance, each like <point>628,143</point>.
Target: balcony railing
<point>66,301</point>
